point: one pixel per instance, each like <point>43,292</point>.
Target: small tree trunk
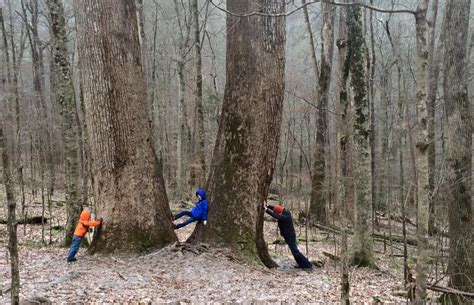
<point>363,244</point>
<point>373,137</point>
<point>432,88</point>
<point>11,221</point>
<point>422,142</point>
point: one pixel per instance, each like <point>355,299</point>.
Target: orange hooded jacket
<point>84,224</point>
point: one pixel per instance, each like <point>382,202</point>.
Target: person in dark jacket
<point>287,230</point>
<point>198,213</point>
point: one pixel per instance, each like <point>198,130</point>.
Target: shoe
<point>70,260</point>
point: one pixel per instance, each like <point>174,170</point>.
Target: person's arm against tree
<point>91,223</point>
<point>275,215</point>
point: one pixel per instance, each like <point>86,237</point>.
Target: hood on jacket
<point>202,193</point>
<point>85,216</point>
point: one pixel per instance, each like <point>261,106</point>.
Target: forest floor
<point>181,274</point>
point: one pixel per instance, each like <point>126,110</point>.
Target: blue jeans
<point>76,243</point>
<point>300,259</point>
<point>188,221</point>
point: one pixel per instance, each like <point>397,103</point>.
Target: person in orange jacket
<point>81,230</point>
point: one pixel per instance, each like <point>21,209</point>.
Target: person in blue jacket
<point>198,213</point>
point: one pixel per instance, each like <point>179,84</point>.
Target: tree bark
<point>11,221</point>
<point>363,245</point>
<point>249,131</point>
<point>318,204</point>
<point>459,159</point>
<point>128,184</point>
<point>422,143</point>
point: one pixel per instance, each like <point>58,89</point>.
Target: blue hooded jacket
<point>200,210</point>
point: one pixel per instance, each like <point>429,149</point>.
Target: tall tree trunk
<point>432,88</point>
<point>16,72</point>
<point>11,220</point>
<point>340,204</point>
<point>249,131</point>
<point>422,142</point>
<point>67,102</point>
<point>459,160</point>
<point>312,49</point>
<point>373,135</point>
<point>200,158</point>
<point>128,184</point>
<point>318,204</point>
<point>363,245</point>
<point>184,30</point>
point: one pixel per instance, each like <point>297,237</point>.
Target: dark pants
<point>188,221</point>
<point>76,243</point>
<point>300,259</point>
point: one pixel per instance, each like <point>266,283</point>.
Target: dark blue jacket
<point>285,223</point>
<point>200,209</point>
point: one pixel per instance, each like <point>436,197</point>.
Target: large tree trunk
<point>422,142</point>
<point>249,130</point>
<point>66,99</point>
<point>362,254</point>
<point>128,184</point>
<point>318,203</point>
<point>459,127</point>
<point>11,220</point>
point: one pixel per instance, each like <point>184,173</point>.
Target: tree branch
<point>370,7</point>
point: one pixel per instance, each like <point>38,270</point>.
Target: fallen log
<point>450,290</point>
<point>33,220</point>
<point>395,238</point>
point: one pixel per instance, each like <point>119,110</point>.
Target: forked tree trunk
<point>249,130</point>
<point>128,185</point>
